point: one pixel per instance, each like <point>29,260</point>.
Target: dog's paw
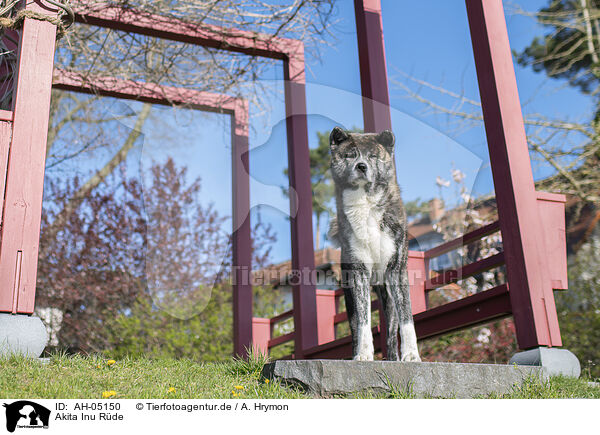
<point>363,357</point>
<point>411,357</point>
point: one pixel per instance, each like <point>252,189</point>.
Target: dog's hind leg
<point>408,335</point>
<point>391,323</point>
<point>357,292</point>
<point>398,290</point>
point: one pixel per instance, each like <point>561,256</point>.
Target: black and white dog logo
<point>26,414</point>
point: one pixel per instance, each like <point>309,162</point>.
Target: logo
<point>26,414</point>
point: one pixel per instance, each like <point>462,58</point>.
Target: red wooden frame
<point>291,52</point>
<point>532,299</point>
<point>237,108</point>
<point>22,210</point>
<point>531,223</point>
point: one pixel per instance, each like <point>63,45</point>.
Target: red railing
<point>469,311</point>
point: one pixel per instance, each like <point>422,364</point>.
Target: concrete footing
<point>340,377</point>
<point>21,334</point>
<point>555,361</point>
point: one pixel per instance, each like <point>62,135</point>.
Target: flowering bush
<point>94,276</point>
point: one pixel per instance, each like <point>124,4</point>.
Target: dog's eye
<point>350,154</point>
<point>372,156</point>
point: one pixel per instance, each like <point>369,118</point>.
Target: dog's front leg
<point>358,290</point>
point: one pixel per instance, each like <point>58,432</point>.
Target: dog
<point>370,228</point>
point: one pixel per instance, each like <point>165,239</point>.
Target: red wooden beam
<point>326,311</point>
<point>281,339</point>
<point>242,238</point>
<point>479,308</point>
<point>464,240</point>
<point>22,209</point>
<point>281,317</point>
<point>303,257</point>
<point>373,71</point>
<point>455,275</point>
<point>373,80</point>
<point>340,348</point>
<point>261,334</point>
<point>150,93</point>
<point>417,275</point>
<point>473,310</point>
<point>552,213</point>
<point>165,27</point>
<point>531,297</point>
<point>5,137</point>
<point>342,317</point>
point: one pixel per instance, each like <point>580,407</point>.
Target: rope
<point>61,24</point>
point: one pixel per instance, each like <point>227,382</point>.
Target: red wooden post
<point>6,294</point>
<point>417,276</point>
<point>26,161</point>
<point>552,213</point>
<point>373,71</point>
<point>531,298</point>
<point>326,311</point>
<point>303,260</point>
<point>242,245</point>
<point>261,333</point>
<point>374,84</point>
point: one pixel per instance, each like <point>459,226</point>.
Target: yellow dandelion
<point>234,393</point>
<point>98,366</point>
<point>239,387</point>
<point>110,362</point>
<point>107,394</point>
<point>171,390</point>
<point>266,381</point>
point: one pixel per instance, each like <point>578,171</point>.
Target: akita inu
<point>371,230</point>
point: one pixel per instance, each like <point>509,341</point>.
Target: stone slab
<point>555,361</point>
<point>325,378</point>
<point>22,334</point>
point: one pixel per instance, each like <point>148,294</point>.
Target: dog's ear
<point>336,137</point>
<point>387,139</point>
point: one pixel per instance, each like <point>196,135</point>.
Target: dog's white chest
<point>369,243</point>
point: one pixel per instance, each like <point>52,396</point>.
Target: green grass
<point>557,387</point>
<point>68,377</point>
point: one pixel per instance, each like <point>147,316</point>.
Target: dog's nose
<point>361,167</point>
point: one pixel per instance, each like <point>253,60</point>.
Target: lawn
<point>91,377</point>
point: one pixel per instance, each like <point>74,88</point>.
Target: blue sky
<point>426,40</point>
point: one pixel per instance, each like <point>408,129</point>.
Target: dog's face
<point>362,159</point>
